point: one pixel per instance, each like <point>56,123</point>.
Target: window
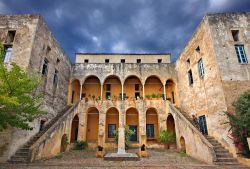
<point>86,61</point>
<point>203,124</point>
<point>235,34</point>
<point>122,60</point>
<point>138,60</point>
<point>10,36</point>
<point>190,77</point>
<point>106,60</point>
<point>201,68</point>
<point>55,79</point>
<point>150,131</point>
<point>48,49</point>
<point>83,95</point>
<point>240,52</point>
<point>159,60</point>
<point>137,91</point>
<point>57,60</point>
<point>198,49</point>
<point>111,130</point>
<point>42,122</point>
<point>108,91</point>
<point>45,67</point>
<point>7,54</point>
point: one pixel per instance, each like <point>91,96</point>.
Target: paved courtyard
<point>86,159</point>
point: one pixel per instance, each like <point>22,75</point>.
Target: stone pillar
<point>122,93</point>
<point>121,140</point>
<point>164,90</point>
<point>101,91</point>
<point>143,92</point>
<point>81,91</point>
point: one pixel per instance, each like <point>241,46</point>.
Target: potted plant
<point>166,137</point>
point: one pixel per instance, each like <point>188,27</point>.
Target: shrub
<point>81,145</point>
<point>240,123</point>
<point>166,137</point>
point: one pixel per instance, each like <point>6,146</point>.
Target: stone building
<point>147,92</point>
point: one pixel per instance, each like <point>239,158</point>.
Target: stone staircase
<point>22,154</point>
<point>223,156</point>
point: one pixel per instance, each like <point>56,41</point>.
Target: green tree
<point>19,102</point>
<point>240,122</point>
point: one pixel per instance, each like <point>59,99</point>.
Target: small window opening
<point>10,36</point>
<point>55,80</point>
<point>198,49</point>
<point>42,124</point>
<point>86,61</point>
<point>159,60</point>
<point>48,50</point>
<point>235,34</point>
<point>106,60</point>
<point>7,53</point>
<point>122,60</point>
<point>57,60</point>
<point>45,67</point>
<point>138,60</point>
<point>108,91</point>
<point>190,77</point>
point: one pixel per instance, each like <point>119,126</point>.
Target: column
<point>122,93</point>
<point>143,92</point>
<point>164,90</point>
<point>81,91</point>
<point>101,91</point>
<point>121,140</point>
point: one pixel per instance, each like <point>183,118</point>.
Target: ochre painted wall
<point>112,117</point>
<point>152,118</point>
<point>92,125</point>
<point>132,118</point>
<point>153,86</point>
<point>129,86</point>
<point>92,87</point>
<point>116,87</point>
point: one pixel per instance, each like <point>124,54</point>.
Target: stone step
<point>219,154</point>
<point>121,157</point>
<point>226,159</point>
<point>227,163</point>
<point>22,153</point>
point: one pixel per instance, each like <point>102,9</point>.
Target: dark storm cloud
<point>122,25</point>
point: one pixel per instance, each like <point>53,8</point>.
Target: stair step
<point>226,163</point>
<point>225,159</point>
<point>22,153</point>
<point>223,155</point>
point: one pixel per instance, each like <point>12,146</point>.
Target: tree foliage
<point>19,102</point>
<point>240,122</point>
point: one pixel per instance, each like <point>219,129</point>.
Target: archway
<point>153,87</point>
<point>132,120</point>
<point>112,88</point>
<point>64,143</point>
<point>112,124</point>
<point>152,125</point>
<point>74,91</point>
<point>133,87</point>
<point>74,129</point>
<point>171,91</point>
<point>170,123</point>
<point>91,88</point>
<point>183,144</point>
<point>92,124</point>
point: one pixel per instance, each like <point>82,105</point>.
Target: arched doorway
<point>74,91</point>
<point>171,91</point>
<point>183,144</point>
<point>64,143</point>
<point>132,120</point>
<point>112,88</point>
<point>170,123</point>
<point>133,87</point>
<point>91,88</point>
<point>92,124</point>
<point>112,124</point>
<point>74,129</point>
<point>153,87</point>
<point>152,125</point>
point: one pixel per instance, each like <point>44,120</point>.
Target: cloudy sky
<point>122,26</point>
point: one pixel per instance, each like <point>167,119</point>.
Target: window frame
<point>111,135</point>
<point>240,55</point>
<point>201,68</point>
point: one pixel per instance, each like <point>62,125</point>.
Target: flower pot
<point>248,140</point>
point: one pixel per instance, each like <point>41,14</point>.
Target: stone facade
<point>32,43</point>
<point>225,78</point>
<point>143,91</point>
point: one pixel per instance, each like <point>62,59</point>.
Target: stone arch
<point>170,123</point>
<point>132,120</point>
<point>153,87</point>
<point>74,129</point>
<point>171,91</point>
<point>183,144</point>
<point>64,143</point>
<point>112,87</point>
<point>112,124</point>
<point>74,91</point>
<point>152,125</point>
<point>91,87</point>
<point>92,124</point>
<point>133,86</point>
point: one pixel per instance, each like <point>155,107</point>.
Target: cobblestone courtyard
<point>86,159</point>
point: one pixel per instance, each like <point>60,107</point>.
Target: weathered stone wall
<point>206,95</point>
<point>235,76</point>
<point>29,50</point>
